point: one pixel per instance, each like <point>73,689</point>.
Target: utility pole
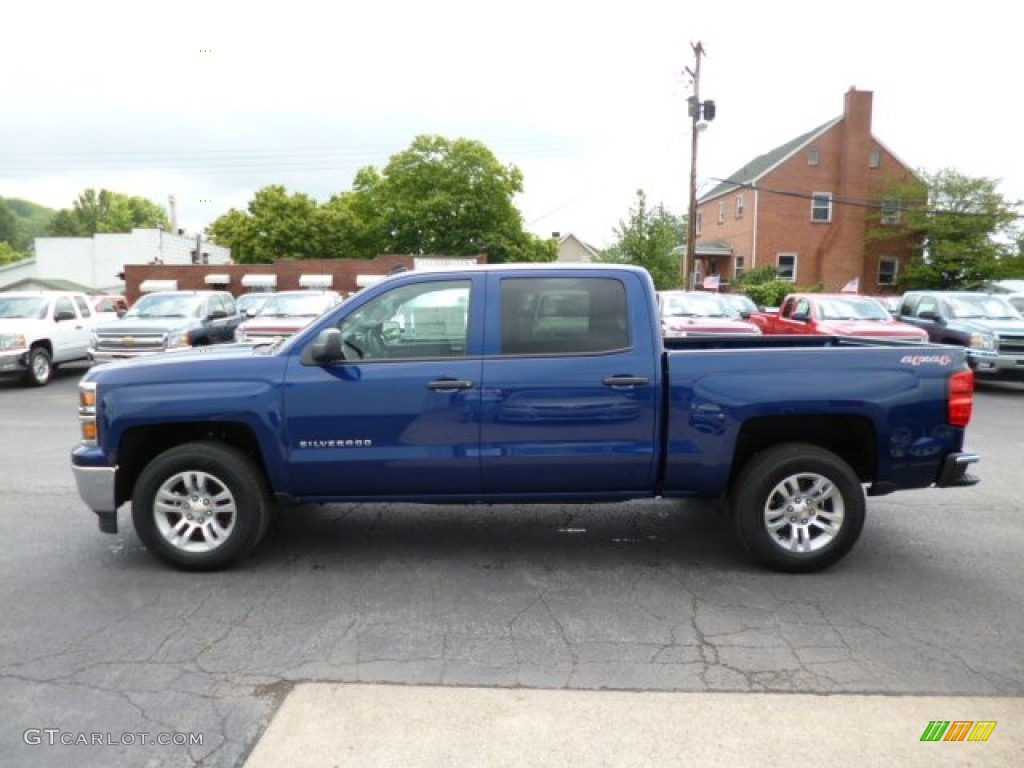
<point>697,109</point>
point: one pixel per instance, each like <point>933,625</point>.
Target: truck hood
<point>1012,327</point>
<point>268,326</point>
<point>871,328</point>
<point>179,363</point>
<point>130,325</point>
<point>697,325</point>
<point>25,325</point>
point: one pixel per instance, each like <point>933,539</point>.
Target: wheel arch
<point>851,437</point>
<point>140,445</point>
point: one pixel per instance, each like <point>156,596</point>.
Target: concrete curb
<point>352,726</point>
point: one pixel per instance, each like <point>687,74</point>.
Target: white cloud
<point>212,100</point>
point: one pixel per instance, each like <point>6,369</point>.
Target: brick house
<point>806,208</point>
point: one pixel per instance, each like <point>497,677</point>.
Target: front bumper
<point>96,488</point>
<point>13,363</point>
<point>954,470</point>
<point>996,365</point>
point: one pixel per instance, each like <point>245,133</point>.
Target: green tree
<point>444,196</point>
<point>21,222</point>
<point>106,211</point>
<point>8,226</point>
<point>276,225</point>
<point>764,288</point>
<point>965,229</point>
<point>647,239</point>
<point>8,254</point>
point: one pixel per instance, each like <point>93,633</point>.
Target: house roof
<point>46,283</point>
<point>587,246</point>
<point>761,165</point>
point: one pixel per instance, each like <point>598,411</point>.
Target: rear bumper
<point>954,470</point>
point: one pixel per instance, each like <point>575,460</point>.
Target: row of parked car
<point>41,330</point>
<point>989,325</point>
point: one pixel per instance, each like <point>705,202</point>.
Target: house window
<point>876,158</point>
<point>739,266</point>
<point>821,206</point>
<point>887,271</point>
<point>813,156</point>
<point>890,211</point>
<point>786,268</point>
<point>699,223</point>
<point>721,213</point>
<point>739,206</point>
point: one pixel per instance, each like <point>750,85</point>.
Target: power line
<point>860,203</point>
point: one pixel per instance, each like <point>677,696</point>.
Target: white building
<point>96,263</point>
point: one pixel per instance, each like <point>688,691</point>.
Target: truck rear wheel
<point>200,506</point>
<point>797,508</point>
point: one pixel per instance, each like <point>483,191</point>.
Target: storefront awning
<point>152,286</point>
<point>217,279</point>
<point>259,281</point>
<point>365,281</point>
<point>316,281</point>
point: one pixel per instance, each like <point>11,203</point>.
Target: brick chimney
<point>857,112</point>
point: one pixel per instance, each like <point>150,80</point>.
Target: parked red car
<point>836,314</point>
<point>697,313</point>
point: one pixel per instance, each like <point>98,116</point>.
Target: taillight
<point>961,398</point>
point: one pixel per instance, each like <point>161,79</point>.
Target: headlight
<point>12,341</point>
<point>177,340</point>
<point>87,399</point>
<point>985,341</point>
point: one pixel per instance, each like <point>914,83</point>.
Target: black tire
<point>40,368</point>
<point>797,508</point>
<point>215,506</point>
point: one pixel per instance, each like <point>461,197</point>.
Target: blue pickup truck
<point>521,383</point>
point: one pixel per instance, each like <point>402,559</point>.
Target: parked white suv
<point>39,330</point>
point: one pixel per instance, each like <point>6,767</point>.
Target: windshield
<point>166,305</point>
<point>251,301</point>
<point>982,308</point>
<point>297,305</point>
<point>739,301</point>
<point>23,306</point>
<point>853,308</point>
<point>694,305</point>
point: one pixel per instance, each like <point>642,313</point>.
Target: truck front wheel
<point>797,508</point>
<point>39,369</point>
<point>200,506</point>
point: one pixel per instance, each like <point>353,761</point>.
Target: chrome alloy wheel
<point>804,512</point>
<point>194,512</point>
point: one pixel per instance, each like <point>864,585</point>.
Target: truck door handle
<point>626,381</point>
<point>446,385</point>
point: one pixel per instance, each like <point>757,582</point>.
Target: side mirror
<point>327,346</point>
<point>745,314</point>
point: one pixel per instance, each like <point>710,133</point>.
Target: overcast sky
<point>210,101</point>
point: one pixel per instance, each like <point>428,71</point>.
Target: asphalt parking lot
<point>99,641</point>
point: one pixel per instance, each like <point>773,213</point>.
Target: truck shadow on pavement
<point>646,532</point>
